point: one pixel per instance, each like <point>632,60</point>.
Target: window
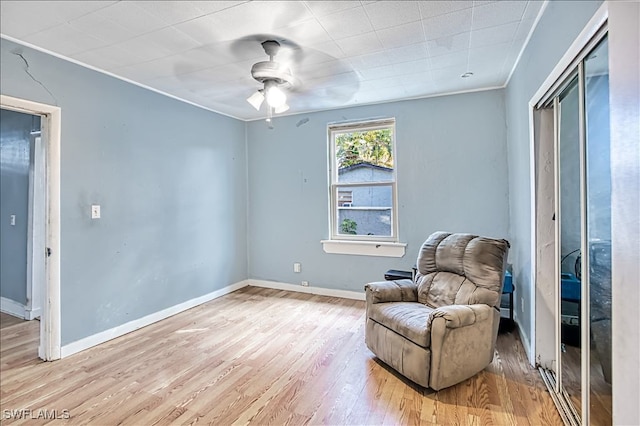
<point>363,181</point>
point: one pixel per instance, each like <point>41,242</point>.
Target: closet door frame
<point>546,352</point>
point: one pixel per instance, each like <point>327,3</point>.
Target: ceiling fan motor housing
<point>271,70</point>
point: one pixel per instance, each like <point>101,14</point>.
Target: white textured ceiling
<point>342,52</point>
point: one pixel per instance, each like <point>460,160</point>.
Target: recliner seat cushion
<point>408,319</point>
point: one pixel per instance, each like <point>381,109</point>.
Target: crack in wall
<point>26,69</point>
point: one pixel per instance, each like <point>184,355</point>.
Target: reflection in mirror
<point>599,231</point>
<point>570,240</point>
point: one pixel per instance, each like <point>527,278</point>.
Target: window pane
<point>364,156</point>
<point>368,213</point>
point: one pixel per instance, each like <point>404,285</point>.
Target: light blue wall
<point>452,175</point>
<point>559,26</point>
<point>15,154</point>
<point>171,180</point>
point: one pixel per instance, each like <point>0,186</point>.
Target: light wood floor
<point>7,320</point>
<point>259,356</point>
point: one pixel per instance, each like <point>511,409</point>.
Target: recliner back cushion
<point>461,269</point>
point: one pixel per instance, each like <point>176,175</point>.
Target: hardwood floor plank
<point>7,321</point>
<point>334,405</point>
<point>258,356</point>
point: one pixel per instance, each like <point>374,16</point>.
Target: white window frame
<point>333,130</point>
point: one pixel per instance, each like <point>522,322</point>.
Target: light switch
<point>13,220</point>
<point>95,211</point>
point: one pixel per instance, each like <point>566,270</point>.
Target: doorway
<point>22,280</point>
<point>42,218</point>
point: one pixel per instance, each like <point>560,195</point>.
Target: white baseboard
<point>345,294</point>
<point>12,307</point>
<point>31,314</point>
<point>112,333</point>
<point>525,343</point>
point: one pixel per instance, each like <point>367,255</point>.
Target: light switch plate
<point>12,220</point>
<point>95,211</point>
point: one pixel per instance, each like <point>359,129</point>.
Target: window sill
<point>364,248</point>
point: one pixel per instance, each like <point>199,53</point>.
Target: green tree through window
<point>372,146</point>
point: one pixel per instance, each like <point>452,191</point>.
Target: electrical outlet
<point>305,283</point>
<point>522,304</point>
<point>297,267</point>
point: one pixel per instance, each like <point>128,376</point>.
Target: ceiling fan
<point>275,77</point>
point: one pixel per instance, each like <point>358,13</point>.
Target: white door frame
<point>36,228</point>
<point>50,336</point>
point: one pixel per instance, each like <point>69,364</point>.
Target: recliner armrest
<point>392,291</point>
<point>461,315</point>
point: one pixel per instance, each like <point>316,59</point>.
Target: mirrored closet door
<point>598,233</point>
<point>580,377</point>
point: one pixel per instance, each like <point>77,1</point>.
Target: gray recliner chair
<point>440,328</point>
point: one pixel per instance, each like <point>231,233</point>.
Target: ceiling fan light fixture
<point>281,109</point>
<point>276,98</point>
<point>256,99</point>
